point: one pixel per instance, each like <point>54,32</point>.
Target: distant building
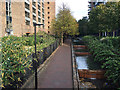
<point>94,3</point>
<point>18,18</point>
<point>49,14</point>
<point>85,17</point>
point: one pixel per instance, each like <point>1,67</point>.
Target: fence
<point>98,74</point>
<point>41,57</point>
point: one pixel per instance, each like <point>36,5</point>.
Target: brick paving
<point>58,73</point>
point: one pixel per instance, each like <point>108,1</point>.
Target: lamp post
<point>34,65</point>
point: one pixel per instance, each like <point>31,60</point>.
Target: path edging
<point>41,68</point>
<point>76,81</point>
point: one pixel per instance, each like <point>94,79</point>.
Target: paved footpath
<point>58,73</point>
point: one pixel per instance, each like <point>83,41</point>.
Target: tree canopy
<point>64,24</point>
<point>83,26</point>
<point>105,18</point>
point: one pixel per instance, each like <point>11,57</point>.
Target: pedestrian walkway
<point>58,73</point>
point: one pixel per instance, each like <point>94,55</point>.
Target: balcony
<point>34,6</point>
<point>43,13</point>
<point>26,18</point>
<point>27,1</point>
<point>89,9</point>
<point>34,14</point>
<point>39,10</point>
<point>39,16</point>
<point>43,18</point>
<point>39,19</point>
<point>27,10</point>
<point>39,3</point>
<point>89,6</point>
<point>34,21</point>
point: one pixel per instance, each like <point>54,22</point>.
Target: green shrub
<point>106,51</point>
<point>15,52</point>
<point>13,62</point>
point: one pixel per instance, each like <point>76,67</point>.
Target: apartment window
<point>39,19</point>
<point>39,13</point>
<point>43,23</point>
<point>27,14</point>
<point>48,27</point>
<point>6,13</point>
<point>48,7</point>
<point>34,17</point>
<point>27,22</point>
<point>39,1</point>
<point>42,4</point>
<point>27,6</point>
<point>10,6</point>
<point>6,6</point>
<point>34,10</point>
<point>48,17</point>
<point>38,7</point>
<point>10,13</point>
<point>42,10</point>
<point>42,15</point>
<point>48,2</point>
<point>34,23</point>
<point>33,3</point>
<point>48,22</point>
<point>10,19</point>
<point>48,12</point>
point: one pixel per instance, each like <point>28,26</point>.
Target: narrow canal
<point>81,62</point>
<point>87,75</point>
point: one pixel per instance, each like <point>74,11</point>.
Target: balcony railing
<point>26,18</point>
<point>27,1</point>
<point>27,10</point>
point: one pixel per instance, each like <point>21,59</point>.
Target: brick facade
<point>19,19</point>
<point>49,13</point>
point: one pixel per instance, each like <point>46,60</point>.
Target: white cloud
<point>79,8</point>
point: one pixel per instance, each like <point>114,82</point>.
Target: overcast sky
<point>79,8</point>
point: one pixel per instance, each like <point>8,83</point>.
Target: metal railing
<point>42,56</point>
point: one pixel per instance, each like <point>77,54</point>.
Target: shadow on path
<point>58,73</point>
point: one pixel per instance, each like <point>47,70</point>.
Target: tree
<point>96,17</point>
<point>112,16</point>
<point>105,18</point>
<point>83,26</point>
<point>64,24</point>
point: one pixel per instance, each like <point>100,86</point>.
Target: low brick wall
<point>82,53</point>
<point>79,46</point>
<point>98,74</point>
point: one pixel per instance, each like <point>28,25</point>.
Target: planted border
<point>17,57</point>
<point>107,55</point>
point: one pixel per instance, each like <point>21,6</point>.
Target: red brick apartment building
<point>17,17</point>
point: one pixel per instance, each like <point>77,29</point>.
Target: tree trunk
<point>62,39</point>
<point>105,34</point>
<point>99,34</point>
<point>113,33</point>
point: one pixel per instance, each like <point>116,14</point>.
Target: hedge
<point>107,55</point>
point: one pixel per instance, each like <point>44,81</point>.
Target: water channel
<point>83,64</point>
